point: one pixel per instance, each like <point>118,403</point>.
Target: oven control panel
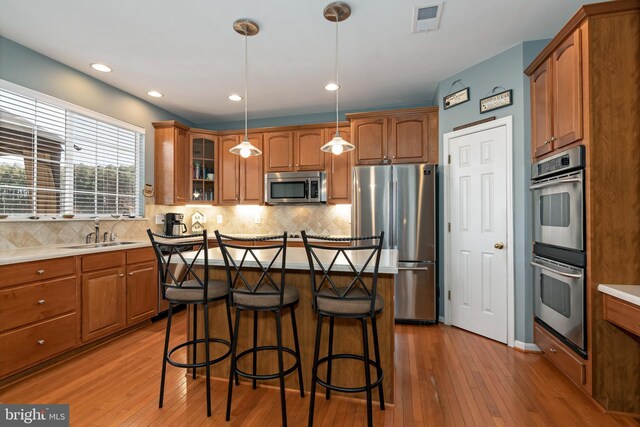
<point>560,163</point>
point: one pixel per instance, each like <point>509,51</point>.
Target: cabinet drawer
<point>32,303</point>
<point>573,367</point>
<point>27,346</point>
<point>135,256</point>
<point>25,272</point>
<point>103,260</point>
<point>622,314</point>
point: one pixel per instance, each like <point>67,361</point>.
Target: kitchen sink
<point>100,245</point>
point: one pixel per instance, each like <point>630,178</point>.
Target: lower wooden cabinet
<point>103,302</point>
<point>142,295</point>
<point>562,357</point>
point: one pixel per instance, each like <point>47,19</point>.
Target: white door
<point>478,200</point>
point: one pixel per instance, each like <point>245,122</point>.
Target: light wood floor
<point>445,377</point>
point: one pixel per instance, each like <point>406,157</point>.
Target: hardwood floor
<point>445,377</point>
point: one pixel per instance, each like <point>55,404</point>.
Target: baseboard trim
<point>526,347</point>
<point>441,319</point>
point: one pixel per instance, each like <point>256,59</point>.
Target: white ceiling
<point>189,51</point>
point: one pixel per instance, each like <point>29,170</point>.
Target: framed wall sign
<point>456,98</point>
<point>496,101</point>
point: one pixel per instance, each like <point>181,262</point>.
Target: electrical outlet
<point>159,219</point>
<point>257,219</point>
<point>219,219</point>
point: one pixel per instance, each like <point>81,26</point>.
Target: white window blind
<point>56,159</point>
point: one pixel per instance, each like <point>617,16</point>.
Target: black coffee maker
<point>174,224</point>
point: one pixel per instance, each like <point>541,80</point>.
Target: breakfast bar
<point>347,338</point>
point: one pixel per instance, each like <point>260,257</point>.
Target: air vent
<point>427,18</point>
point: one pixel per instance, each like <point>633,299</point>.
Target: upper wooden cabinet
<point>241,181</point>
<point>339,172</point>
<point>171,158</point>
<point>398,136</point>
<point>298,150</point>
<point>202,182</point>
<point>556,97</point>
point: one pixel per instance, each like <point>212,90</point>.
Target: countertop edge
<point>622,292</point>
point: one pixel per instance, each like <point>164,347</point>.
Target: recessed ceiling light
<point>155,94</point>
<point>332,87</point>
<point>235,97</point>
<point>101,67</point>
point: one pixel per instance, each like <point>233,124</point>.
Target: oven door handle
<point>544,267</point>
<point>550,183</point>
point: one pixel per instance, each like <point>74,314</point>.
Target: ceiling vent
<point>427,18</point>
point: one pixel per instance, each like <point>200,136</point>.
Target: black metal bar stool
<point>357,300</point>
<point>181,284</point>
<point>256,292</point>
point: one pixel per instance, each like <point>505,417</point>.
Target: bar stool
<point>181,284</point>
<point>357,300</point>
<point>257,291</point>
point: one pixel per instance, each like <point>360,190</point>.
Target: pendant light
<point>246,28</point>
<point>336,12</point>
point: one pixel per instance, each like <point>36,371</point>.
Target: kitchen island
<point>347,333</point>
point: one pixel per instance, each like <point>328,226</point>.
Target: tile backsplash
<point>315,219</point>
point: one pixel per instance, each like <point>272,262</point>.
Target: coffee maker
<point>174,225</point>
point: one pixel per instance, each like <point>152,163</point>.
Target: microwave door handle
<point>306,189</point>
<point>550,183</point>
<point>544,267</point>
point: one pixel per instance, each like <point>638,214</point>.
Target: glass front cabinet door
<point>203,173</point>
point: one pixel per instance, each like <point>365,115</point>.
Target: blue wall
<point>28,68</point>
<point>505,70</point>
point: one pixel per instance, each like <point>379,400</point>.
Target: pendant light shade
<point>336,12</point>
<point>246,28</point>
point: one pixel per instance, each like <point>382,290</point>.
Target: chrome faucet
<point>112,235</point>
<point>97,226</point>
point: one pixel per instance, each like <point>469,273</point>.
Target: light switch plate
<point>159,219</point>
<point>219,219</point>
<point>257,219</point>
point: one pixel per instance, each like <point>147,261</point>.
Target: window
<point>60,158</point>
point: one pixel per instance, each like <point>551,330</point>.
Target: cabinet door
<point>229,179</point>
<point>103,303</point>
<point>142,292</point>
<point>307,144</point>
<point>181,158</point>
<point>370,138</point>
<point>339,172</point>
<point>278,151</point>
<point>409,138</point>
<point>541,125</point>
<point>252,175</point>
<point>201,171</point>
<point>567,91</point>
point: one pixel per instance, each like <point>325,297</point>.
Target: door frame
<point>507,122</point>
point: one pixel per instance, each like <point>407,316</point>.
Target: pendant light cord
<point>246,79</point>
<point>337,82</point>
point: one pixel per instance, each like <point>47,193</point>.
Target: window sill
<point>60,219</point>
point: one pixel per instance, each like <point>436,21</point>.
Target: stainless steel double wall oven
<point>559,259</point>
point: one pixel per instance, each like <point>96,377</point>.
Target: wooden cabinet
<point>119,288</point>
<point>295,150</point>
<point>564,358</point>
<point>399,136</point>
<point>103,294</point>
<point>202,148</point>
<point>171,160</point>
<point>556,97</point>
<point>241,180</point>
<point>339,172</point>
<point>621,313</point>
<point>38,312</point>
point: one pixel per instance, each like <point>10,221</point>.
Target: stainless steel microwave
<point>295,188</point>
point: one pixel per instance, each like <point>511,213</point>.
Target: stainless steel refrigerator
<point>401,200</point>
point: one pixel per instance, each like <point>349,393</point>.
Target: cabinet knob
<point>40,301</point>
<point>552,350</point>
<point>41,342</point>
<point>131,273</point>
<point>40,272</point>
<point>121,274</point>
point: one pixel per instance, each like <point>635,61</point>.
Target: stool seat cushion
<point>259,299</point>
<point>347,305</point>
<point>192,291</point>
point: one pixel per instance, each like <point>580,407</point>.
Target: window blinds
<point>56,160</point>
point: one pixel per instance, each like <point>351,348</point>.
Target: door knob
<point>498,245</point>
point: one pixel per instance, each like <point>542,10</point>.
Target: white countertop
<point>13,256</point>
<point>629,293</point>
<point>297,259</point>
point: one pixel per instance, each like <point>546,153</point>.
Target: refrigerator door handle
<point>415,265</point>
<point>394,213</point>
